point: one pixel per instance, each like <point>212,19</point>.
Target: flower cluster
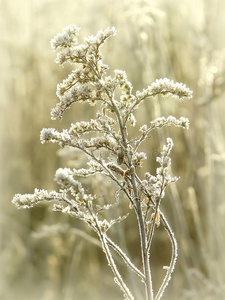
<point>162,121</point>
<point>67,38</point>
<point>169,121</point>
<point>52,135</point>
<point>29,200</point>
<point>165,87</point>
<point>83,84</point>
<point>138,158</point>
<point>125,85</point>
<point>101,124</point>
<point>64,138</point>
<point>67,181</point>
<point>156,185</point>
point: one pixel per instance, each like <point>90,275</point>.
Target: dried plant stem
<point>125,258</point>
<point>152,229</point>
<point>171,267</point>
<point>118,277</point>
<point>145,254</point>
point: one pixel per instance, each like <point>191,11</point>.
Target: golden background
<point>45,255</point>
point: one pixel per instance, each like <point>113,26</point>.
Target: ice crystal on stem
<point>111,152</point>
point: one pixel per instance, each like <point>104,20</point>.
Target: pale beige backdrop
<point>43,255</point>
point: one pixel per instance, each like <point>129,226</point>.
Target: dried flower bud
<point>120,157</point>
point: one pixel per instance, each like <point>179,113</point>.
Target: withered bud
<point>120,157</point>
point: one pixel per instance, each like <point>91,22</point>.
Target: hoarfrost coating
<point>112,153</point>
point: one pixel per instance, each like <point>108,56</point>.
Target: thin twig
<point>118,277</point>
<point>125,258</point>
<point>171,267</point>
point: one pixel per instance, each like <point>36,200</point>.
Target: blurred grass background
<point>42,254</point>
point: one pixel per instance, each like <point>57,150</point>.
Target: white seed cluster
<point>165,87</point>
<point>29,200</point>
<point>169,121</point>
<point>156,185</point>
<point>67,38</point>
<point>82,84</point>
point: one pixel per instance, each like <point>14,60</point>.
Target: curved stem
<point>103,238</point>
<point>171,267</point>
<point>125,258</point>
<point>118,277</point>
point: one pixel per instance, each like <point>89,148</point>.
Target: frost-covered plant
<point>110,150</point>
